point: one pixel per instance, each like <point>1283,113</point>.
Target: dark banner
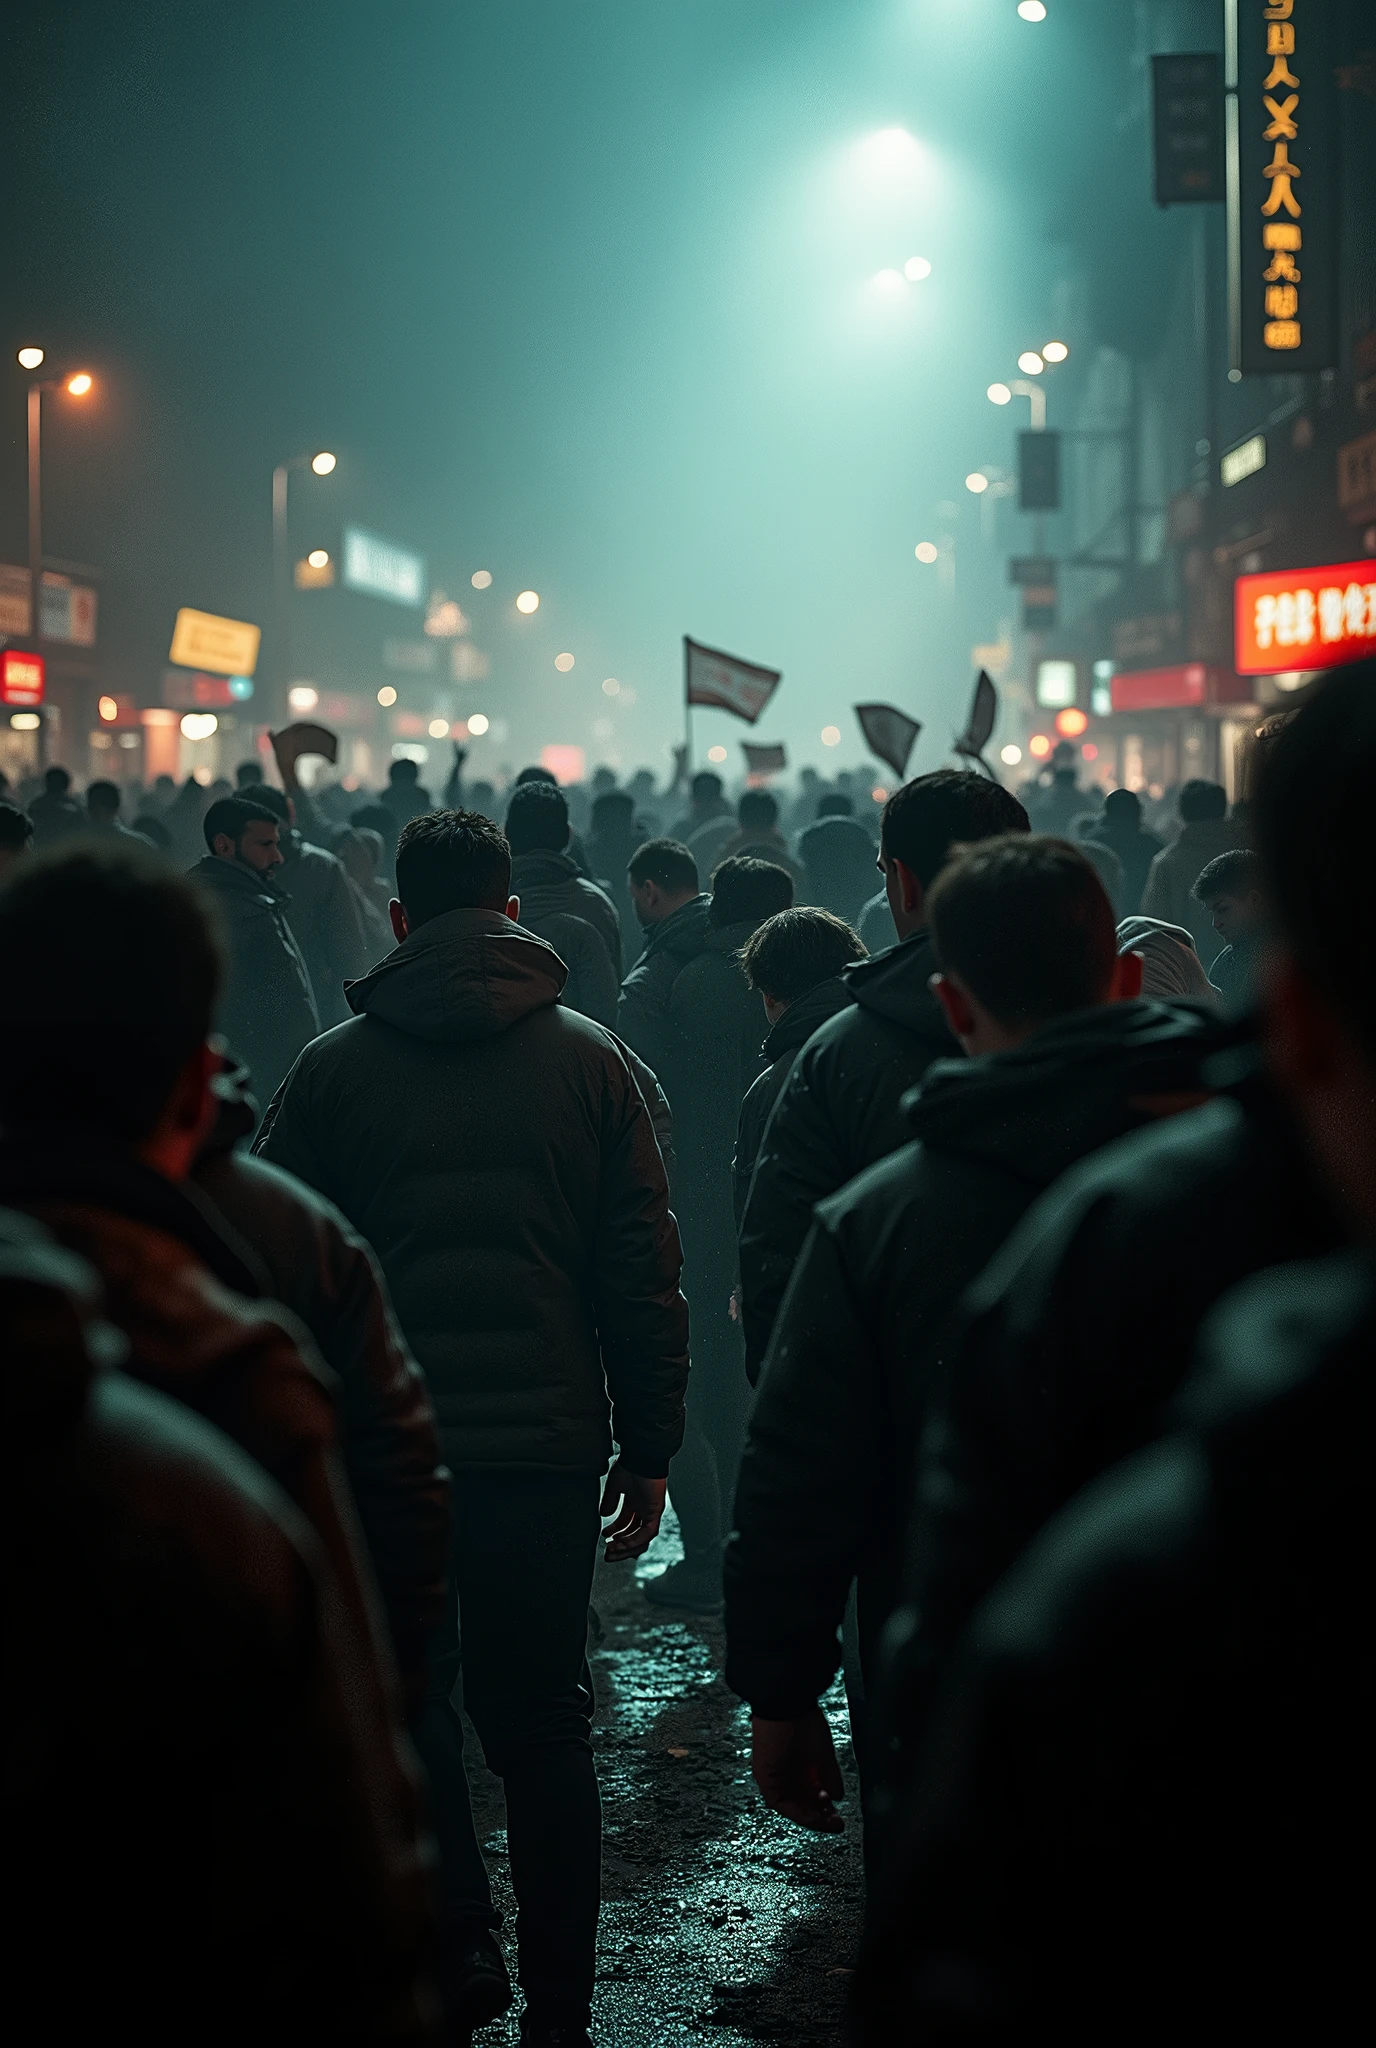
<point>1283,200</point>
<point>1187,128</point>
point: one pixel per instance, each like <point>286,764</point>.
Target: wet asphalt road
<point>720,1923</point>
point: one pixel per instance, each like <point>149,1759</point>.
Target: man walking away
<point>16,838</point>
<point>671,910</point>
<point>839,1110</point>
<point>1232,889</point>
<point>1063,1058</point>
<point>325,917</point>
<point>267,1010</point>
<point>712,1055</point>
<point>1119,826</point>
<point>572,915</point>
<point>56,813</point>
<point>102,813</point>
<point>494,1149</point>
<point>1205,831</point>
<point>757,835</point>
<point>616,833</point>
<point>794,962</point>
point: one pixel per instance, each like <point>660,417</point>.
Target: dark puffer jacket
<point>782,1046</point>
<point>494,1149</point>
<point>1147,1765</point>
<point>576,919</point>
<point>326,923</point>
<point>642,1012</point>
<point>268,1009</point>
<point>320,1269</point>
<point>825,1484</point>
<point>839,1112</point>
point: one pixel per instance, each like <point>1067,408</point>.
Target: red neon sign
<point>21,678</point>
<point>1304,618</point>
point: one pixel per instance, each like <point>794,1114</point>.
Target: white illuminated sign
<point>382,569</point>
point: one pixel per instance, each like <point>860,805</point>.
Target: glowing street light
<point>1030,363</point>
<point>527,602</point>
<point>977,482</point>
<point>108,709</point>
<point>323,463</point>
<point>438,728</point>
<point>30,358</point>
<point>303,697</point>
<point>926,551</point>
<point>80,384</point>
<point>386,696</point>
<point>916,268</point>
<point>481,579</point>
<point>477,724</point>
<point>200,725</point>
<point>1055,352</point>
<point>999,394</point>
<point>1032,10</point>
<point>563,662</point>
<point>319,558</point>
<point>1010,756</point>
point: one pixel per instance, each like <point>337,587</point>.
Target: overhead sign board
<point>186,690</point>
<point>69,609</point>
<point>1304,618</point>
<point>1245,460</point>
<point>227,647</point>
<point>380,568</point>
<point>22,678</point>
<point>1187,121</point>
<point>1284,200</point>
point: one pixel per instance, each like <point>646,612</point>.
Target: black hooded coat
<point>825,1483</point>
<point>579,922</point>
<point>838,1113</point>
<point>494,1149</point>
<point>268,1010</point>
<point>782,1046</point>
<point>642,1011</point>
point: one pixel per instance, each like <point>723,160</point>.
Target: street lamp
<point>322,464</point>
<point>78,385</point>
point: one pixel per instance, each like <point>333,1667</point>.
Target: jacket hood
<point>728,938</point>
<point>468,975</point>
<point>541,869</point>
<point>804,1015</point>
<point>1071,1088</point>
<point>893,984</point>
<point>683,932</point>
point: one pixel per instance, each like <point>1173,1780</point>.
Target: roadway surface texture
<point>720,1923</point>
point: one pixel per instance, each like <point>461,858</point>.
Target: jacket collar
<point>804,1016</point>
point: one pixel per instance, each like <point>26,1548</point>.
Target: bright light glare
<point>30,358</point>
<point>1032,10</point>
<point>80,384</point>
<point>1030,363</point>
<point>717,754</point>
<point>386,696</point>
<point>200,725</point>
<point>926,551</point>
<point>1010,756</point>
<point>999,394</point>
<point>917,267</point>
<point>1055,352</point>
<point>108,709</point>
<point>977,481</point>
<point>481,579</point>
<point>323,463</point>
<point>831,735</point>
<point>1089,751</point>
<point>889,283</point>
<point>438,728</point>
<point>610,687</point>
<point>563,662</point>
<point>528,601</point>
<point>303,696</point>
<point>477,723</point>
<point>1039,745</point>
<point>318,558</point>
<point>24,721</point>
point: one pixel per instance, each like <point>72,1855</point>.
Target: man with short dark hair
<point>1119,827</point>
<point>839,1109</point>
<point>493,1147</point>
<point>56,814</point>
<point>794,962</point>
<point>16,837</point>
<point>248,776</point>
<point>325,915</point>
<point>1205,831</point>
<point>267,1008</point>
<point>1062,1057</point>
<point>705,803</point>
<point>713,1031</point>
<point>671,909</point>
<point>1232,889</point>
<point>757,834</point>
<point>558,905</point>
<point>102,812</point>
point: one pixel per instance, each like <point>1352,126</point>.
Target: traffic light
<point>1039,472</point>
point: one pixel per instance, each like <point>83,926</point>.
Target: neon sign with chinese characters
<point>1282,197</point>
<point>1304,618</point>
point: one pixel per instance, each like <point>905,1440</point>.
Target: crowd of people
<point>959,1209</point>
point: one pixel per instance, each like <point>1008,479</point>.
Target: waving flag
<point>984,709</point>
<point>890,734</point>
<point>763,760</point>
<point>721,680</point>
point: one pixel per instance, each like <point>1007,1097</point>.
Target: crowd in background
<point>958,1207</point>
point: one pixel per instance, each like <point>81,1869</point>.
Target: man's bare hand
<point>638,1507</point>
<point>795,1767</point>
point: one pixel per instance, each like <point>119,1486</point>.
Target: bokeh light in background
<point>108,709</point>
<point>386,696</point>
<point>563,662</point>
<point>528,601</point>
<point>831,735</point>
<point>303,697</point>
<point>30,358</point>
<point>610,687</point>
<point>717,754</point>
<point>999,394</point>
<point>80,384</point>
<point>198,725</point>
<point>916,268</point>
<point>1030,363</point>
<point>481,579</point>
<point>318,558</point>
<point>477,724</point>
<point>1010,755</point>
<point>1039,745</point>
<point>1070,724</point>
<point>977,482</point>
<point>1032,10</point>
<point>926,551</point>
<point>888,283</point>
<point>1055,352</point>
<point>323,463</point>
<point>438,728</point>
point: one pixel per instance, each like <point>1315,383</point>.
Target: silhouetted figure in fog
<point>322,909</point>
<point>1119,826</point>
<point>706,802</point>
<point>757,835</point>
<point>56,814</point>
<point>670,910</point>
<point>494,1149</point>
<point>570,914</point>
<point>1142,1774</point>
<point>404,797</point>
<point>1232,888</point>
<point>839,1110</point>
<point>616,833</point>
<point>267,1010</point>
<point>16,838</point>
<point>838,860</point>
<point>102,812</point>
<point>1205,831</point>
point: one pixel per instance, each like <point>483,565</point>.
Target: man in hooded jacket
<point>325,916</point>
<point>495,1150</point>
<point>839,1111</point>
<point>1031,982</point>
<point>558,905</point>
<point>671,910</point>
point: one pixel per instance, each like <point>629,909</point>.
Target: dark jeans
<point>702,1477</point>
<point>522,1550</point>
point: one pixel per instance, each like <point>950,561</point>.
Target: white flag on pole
<point>721,680</point>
